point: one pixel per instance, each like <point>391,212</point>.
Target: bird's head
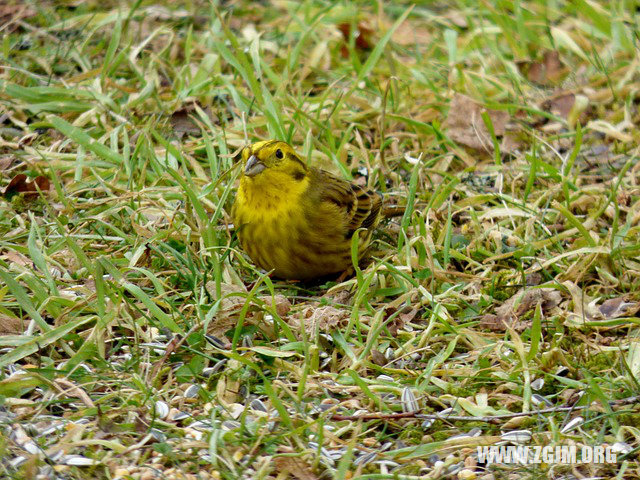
<point>273,160</point>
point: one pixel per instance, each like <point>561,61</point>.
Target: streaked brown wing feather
<point>367,210</point>
<point>361,206</point>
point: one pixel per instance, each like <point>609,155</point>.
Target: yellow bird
<point>297,220</point>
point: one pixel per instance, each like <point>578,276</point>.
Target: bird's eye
<point>279,154</point>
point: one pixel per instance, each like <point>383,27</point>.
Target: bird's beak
<point>253,166</point>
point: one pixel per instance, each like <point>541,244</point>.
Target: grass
<point>137,340</point>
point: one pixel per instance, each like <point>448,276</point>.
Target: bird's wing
<point>361,206</point>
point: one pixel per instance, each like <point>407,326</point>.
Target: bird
<point>298,221</point>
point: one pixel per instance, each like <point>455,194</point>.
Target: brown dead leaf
<point>230,294</point>
<point>511,142</point>
<point>560,104</point>
<point>321,319</point>
<point>12,325</point>
<point>608,341</point>
<point>184,123</point>
<point>509,314</point>
<point>19,184</point>
<point>400,320</point>
<point>363,35</point>
<point>292,467</point>
<point>491,322</point>
<point>6,161</point>
<point>233,298</point>
<point>68,388</point>
<point>466,127</point>
<point>554,67</point>
<point>282,303</point>
<point>12,12</point>
<point>618,307</point>
<point>533,279</point>
<point>411,33</point>
<point>624,198</point>
<point>571,396</point>
<point>378,358</point>
<point>408,316</point>
<point>457,18</point>
<point>546,72</point>
<point>340,297</point>
<point>230,305</point>
<point>17,258</point>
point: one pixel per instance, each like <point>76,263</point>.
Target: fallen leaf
<point>231,295</point>
<point>466,126</point>
<point>511,142</point>
<point>409,316</point>
<point>618,307</point>
<point>12,13</point>
<point>229,308</point>
<point>67,388</point>
<point>400,320</point>
<point>12,325</point>
<point>570,396</point>
<point>362,35</point>
<point>491,322</point>
<point>293,467</point>
<point>570,106</point>
<point>233,298</point>
<point>282,303</point>
<point>554,67</point>
<point>411,33</point>
<point>19,184</point>
<point>533,279</point>
<point>546,72</point>
<point>509,314</point>
<point>340,297</point>
<point>227,390</point>
<point>321,319</point>
<point>560,105</point>
<point>378,358</point>
<point>457,18</point>
<point>6,161</point>
<point>184,123</point>
<point>17,258</point>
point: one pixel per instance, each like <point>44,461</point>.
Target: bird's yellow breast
<point>278,231</point>
<point>267,217</point>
